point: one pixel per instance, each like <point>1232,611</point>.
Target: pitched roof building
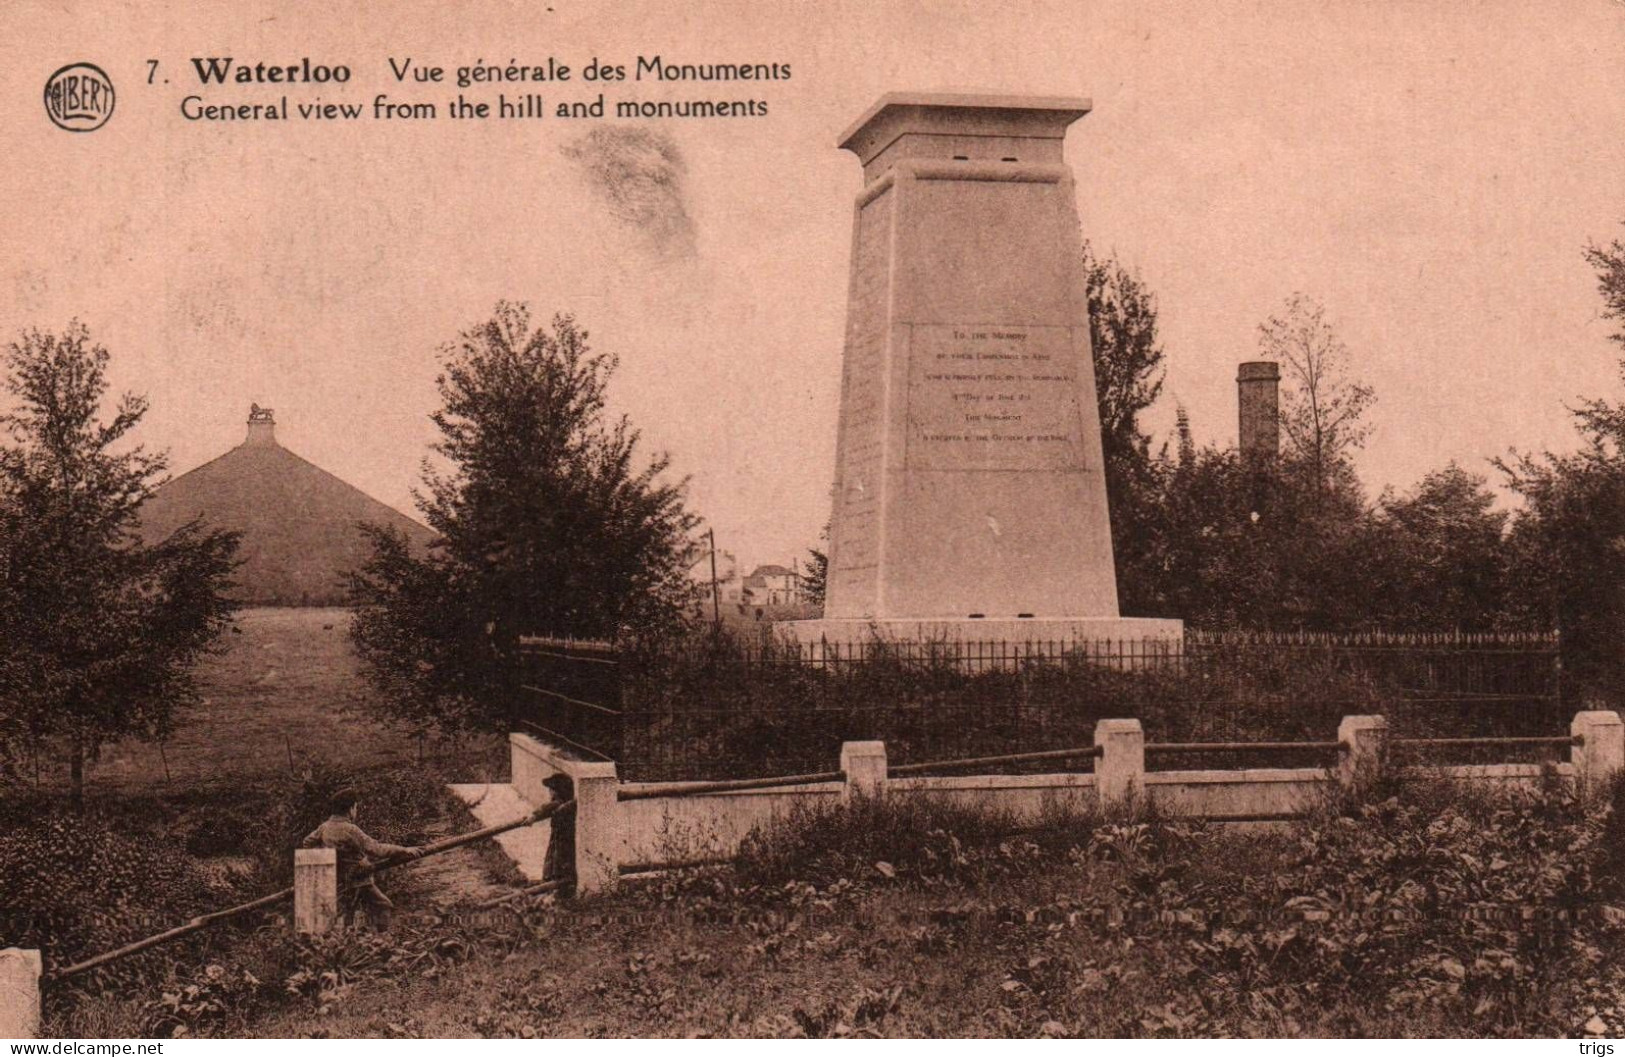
<point>772,585</point>
<point>299,523</point>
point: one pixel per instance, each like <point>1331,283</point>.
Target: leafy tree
<point>101,631</point>
<point>548,524</point>
<point>1128,356</point>
<point>1568,543</point>
<point>1567,550</point>
<point>1248,545</point>
<point>1322,405</point>
<point>1128,360</point>
<point>816,579</point>
<point>1441,562</point>
<point>1601,421</point>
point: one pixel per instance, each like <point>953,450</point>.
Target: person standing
<point>560,863</point>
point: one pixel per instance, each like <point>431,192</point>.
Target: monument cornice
<point>898,114</point>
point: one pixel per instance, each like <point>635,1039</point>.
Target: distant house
<point>771,585</point>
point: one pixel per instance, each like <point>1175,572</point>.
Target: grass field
<point>286,694</point>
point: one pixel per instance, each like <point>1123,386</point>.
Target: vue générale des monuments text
<point>412,89</point>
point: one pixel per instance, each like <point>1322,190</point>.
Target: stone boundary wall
<point>614,835</point>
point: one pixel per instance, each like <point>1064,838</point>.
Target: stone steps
<point>493,804</point>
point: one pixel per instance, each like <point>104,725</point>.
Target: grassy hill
<point>299,523</point>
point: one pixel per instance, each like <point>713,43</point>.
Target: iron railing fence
<point>721,708</point>
<point>569,691</point>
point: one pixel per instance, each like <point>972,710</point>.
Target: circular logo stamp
<point>79,97</point>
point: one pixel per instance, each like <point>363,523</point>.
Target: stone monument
<point>969,500</point>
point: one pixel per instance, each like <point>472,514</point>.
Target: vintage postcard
<point>566,519</point>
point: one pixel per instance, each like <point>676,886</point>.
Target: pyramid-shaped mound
<point>299,523</point>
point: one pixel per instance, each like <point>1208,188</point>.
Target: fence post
<point>315,890</point>
<point>599,828</point>
<point>19,993</point>
<point>1120,767</point>
<point>1363,738</point>
<point>865,765</point>
<point>1601,752</point>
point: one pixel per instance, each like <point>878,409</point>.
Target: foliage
<point>217,998</point>
<point>1568,541</point>
<point>725,708</point>
<point>1128,355</point>
<point>126,871</point>
<point>102,632</point>
<point>276,969</point>
<point>1448,912</point>
<point>1322,405</point>
<point>395,805</point>
<point>1424,912</point>
<point>1128,367</point>
<point>1441,559</point>
<point>1463,906</point>
<point>815,581</point>
<point>547,526</point>
<point>73,885</point>
<point>1239,543</point>
<point>1236,543</point>
<point>929,840</point>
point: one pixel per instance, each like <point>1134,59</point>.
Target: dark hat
<point>342,801</point>
<point>560,785</point>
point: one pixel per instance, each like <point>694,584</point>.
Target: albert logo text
<point>79,97</point>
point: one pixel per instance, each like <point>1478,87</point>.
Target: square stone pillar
<point>19,993</point>
<point>600,827</point>
<point>865,765</point>
<point>1120,767</point>
<point>315,890</point>
<point>1361,759</point>
<point>1601,752</point>
<point>970,488</point>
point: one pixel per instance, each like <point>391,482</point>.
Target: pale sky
<point>1430,171</point>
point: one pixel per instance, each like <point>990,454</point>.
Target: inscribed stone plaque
<point>990,397</point>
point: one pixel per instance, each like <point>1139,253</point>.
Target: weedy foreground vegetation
<point>1419,911</point>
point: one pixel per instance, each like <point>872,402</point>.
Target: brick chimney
<point>1258,396</point>
<point>261,427</point>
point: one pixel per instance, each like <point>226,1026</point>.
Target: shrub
<point>924,838</point>
<point>215,998</point>
<point>725,707</point>
<point>1454,907</point>
<point>397,805</point>
<point>73,886</point>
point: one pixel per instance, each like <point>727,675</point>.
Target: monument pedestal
<point>970,494</point>
<point>1094,635</point>
<point>1124,642</point>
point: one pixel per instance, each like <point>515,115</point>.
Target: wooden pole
<point>533,890</point>
<point>164,937</point>
<point>716,598</point>
<point>205,920</point>
<point>540,814</point>
<point>665,789</point>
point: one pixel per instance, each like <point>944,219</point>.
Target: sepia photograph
<point>850,519</point>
